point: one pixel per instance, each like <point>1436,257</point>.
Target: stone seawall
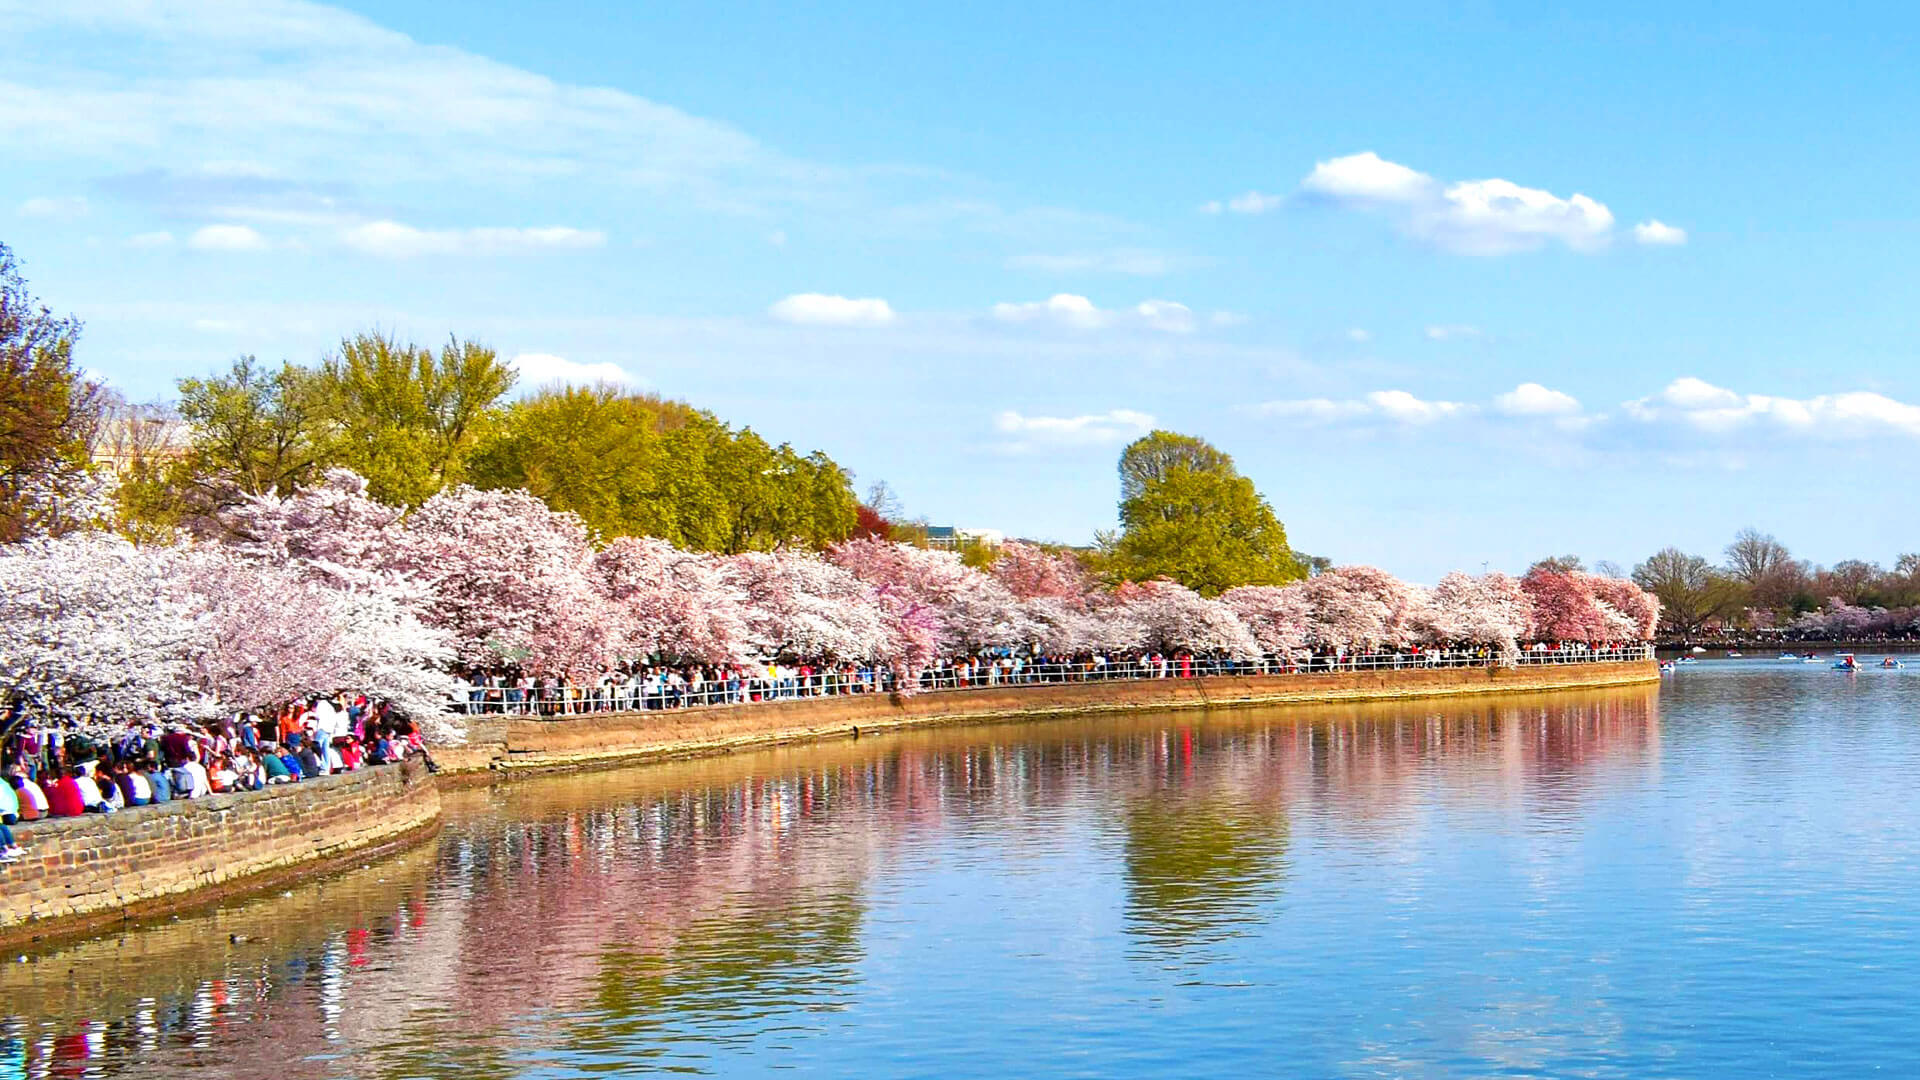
<point>85,874</point>
<point>505,746</point>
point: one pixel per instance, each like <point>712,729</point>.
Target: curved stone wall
<point>511,744</point>
<point>85,873</point>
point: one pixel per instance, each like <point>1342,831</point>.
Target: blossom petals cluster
<point>328,589</point>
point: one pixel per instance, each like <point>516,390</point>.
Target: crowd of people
<point>70,766</point>
<point>639,687</point>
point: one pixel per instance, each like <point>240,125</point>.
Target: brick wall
<point>533,744</point>
<point>83,873</point>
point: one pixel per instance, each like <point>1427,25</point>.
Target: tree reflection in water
<point>1201,866</point>
<point>669,917</point>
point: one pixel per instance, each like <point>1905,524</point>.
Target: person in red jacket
<point>64,798</point>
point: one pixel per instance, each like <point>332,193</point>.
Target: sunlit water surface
<point>1716,878</point>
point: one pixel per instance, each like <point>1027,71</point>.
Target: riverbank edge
<point>505,749</point>
<point>328,819</point>
<point>82,877</point>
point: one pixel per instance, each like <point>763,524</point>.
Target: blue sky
<point>1454,283</point>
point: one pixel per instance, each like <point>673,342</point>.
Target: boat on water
<point>1735,654</point>
<point>1666,667</point>
<point>1845,662</point>
<point>1789,656</point>
<point>1687,660</point>
<point>1890,662</point>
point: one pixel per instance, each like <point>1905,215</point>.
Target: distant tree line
<point>1760,584</point>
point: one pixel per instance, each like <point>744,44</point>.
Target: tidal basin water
<point>1719,877</point>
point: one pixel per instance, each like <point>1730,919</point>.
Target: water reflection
<point>701,915</point>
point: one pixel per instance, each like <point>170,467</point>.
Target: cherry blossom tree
<point>90,622</point>
<point>969,610</point>
<point>1031,572</point>
<point>1640,608</point>
<point>267,633</point>
<point>1839,620</point>
<point>1563,607</point>
<point>1488,610</point>
<point>1064,627</point>
<point>508,578</point>
<point>332,529</point>
<point>802,605</point>
<point>665,601</point>
<point>1279,616</point>
<point>1360,608</point>
<point>1177,619</point>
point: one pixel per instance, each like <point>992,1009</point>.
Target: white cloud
<point>1133,261</point>
<point>1696,405</point>
<point>544,369</point>
<point>1367,177</point>
<point>1166,315</point>
<point>1359,336</point>
<point>1324,410</point>
<point>1114,426</point>
<point>1251,202</point>
<point>1065,309</point>
<point>820,309</point>
<point>1659,234</point>
<point>150,240</point>
<point>1404,407</point>
<point>227,238</point>
<point>1396,406</point>
<point>308,87</point>
<point>1454,332</point>
<point>1533,399</point>
<point>1072,311</point>
<point>394,240</point>
<point>1470,217</point>
<point>59,208</point>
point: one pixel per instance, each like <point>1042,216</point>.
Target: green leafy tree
<point>405,417</point>
<point>1187,514</point>
<point>47,408</point>
<point>1690,590</point>
<point>256,430</point>
<point>636,464</point>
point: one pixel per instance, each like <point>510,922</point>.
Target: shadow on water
<point>670,917</point>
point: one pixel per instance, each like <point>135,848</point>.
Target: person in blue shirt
<point>157,779</point>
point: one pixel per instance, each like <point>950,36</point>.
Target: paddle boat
<point>1666,667</point>
<point>1688,660</point>
<point>1890,662</point>
<point>1789,656</point>
<point>1845,662</point>
<point>1810,658</point>
<point>1735,654</point>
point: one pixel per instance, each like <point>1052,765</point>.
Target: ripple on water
<point>1710,879</point>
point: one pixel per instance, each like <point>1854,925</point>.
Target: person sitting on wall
<point>9,816</point>
<point>158,780</point>
<point>135,788</point>
<point>110,799</point>
<point>274,766</point>
<point>90,793</point>
<point>64,798</point>
<point>32,798</point>
<point>290,757</point>
<point>307,758</point>
<point>185,783</point>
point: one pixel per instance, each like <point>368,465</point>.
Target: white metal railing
<point>754,686</point>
